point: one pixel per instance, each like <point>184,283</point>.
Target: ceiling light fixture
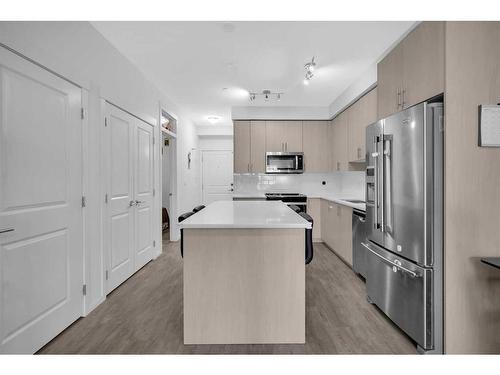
<point>266,94</point>
<point>309,67</point>
<point>213,119</point>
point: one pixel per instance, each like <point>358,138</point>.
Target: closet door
<point>41,254</point>
<point>119,245</point>
<point>143,189</point>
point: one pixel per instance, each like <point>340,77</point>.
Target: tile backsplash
<point>338,184</point>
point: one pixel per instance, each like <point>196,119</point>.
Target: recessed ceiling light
<point>213,119</point>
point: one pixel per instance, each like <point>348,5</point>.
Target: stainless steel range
<point>404,215</point>
<point>295,199</point>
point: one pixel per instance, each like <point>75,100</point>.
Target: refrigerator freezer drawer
<point>403,291</point>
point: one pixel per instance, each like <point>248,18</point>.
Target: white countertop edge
<point>357,206</point>
<point>246,226</point>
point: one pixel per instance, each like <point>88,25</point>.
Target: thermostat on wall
<point>489,125</point>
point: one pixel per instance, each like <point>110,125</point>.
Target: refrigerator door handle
<point>376,157</point>
<point>396,265</point>
<point>387,145</point>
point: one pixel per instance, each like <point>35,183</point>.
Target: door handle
<point>132,203</point>
<point>395,265</point>
<point>139,202</point>
<point>6,230</point>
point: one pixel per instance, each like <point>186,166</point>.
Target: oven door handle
<point>395,264</point>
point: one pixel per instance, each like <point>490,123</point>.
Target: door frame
<point>174,232</point>
<point>202,166</point>
<point>105,189</point>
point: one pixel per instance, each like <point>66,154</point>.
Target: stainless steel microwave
<point>284,162</point>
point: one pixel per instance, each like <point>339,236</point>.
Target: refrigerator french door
<point>404,214</point>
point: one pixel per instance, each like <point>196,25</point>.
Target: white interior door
<point>217,178</point>
<point>143,178</point>
<point>121,201</point>
<point>41,258</point>
<point>129,224</point>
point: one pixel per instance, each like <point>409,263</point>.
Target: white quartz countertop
<point>246,214</point>
<point>326,196</point>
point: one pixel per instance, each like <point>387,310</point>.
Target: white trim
<point>85,183</point>
<point>173,204</point>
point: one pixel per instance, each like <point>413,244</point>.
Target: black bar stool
<point>181,218</point>
<point>295,208</point>
<point>198,208</point>
<point>309,238</point>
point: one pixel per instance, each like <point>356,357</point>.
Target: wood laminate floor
<point>144,316</point>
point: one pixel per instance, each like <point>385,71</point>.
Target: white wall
<point>76,51</point>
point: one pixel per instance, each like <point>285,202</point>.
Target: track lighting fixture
<point>266,94</point>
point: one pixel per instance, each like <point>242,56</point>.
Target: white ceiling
<point>192,62</point>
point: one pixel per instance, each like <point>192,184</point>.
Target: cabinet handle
<point>359,152</point>
<point>404,100</point>
<point>248,167</point>
<point>338,166</point>
<point>398,94</point>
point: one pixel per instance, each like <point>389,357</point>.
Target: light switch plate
<point>489,125</point>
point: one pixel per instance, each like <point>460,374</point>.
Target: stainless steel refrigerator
<point>404,215</point>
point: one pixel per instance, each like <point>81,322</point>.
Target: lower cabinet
<point>336,228</point>
<point>314,210</point>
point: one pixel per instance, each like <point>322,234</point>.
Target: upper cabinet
<point>241,149</point>
<point>339,141</point>
<point>284,136</point>
<point>258,146</point>
<point>361,114</point>
<point>413,71</point>
<point>249,146</point>
<point>316,146</point>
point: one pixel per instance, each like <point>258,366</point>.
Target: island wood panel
<point>472,180</point>
<point>244,286</point>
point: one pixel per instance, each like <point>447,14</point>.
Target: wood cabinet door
<point>326,223</point>
<point>423,63</point>
<point>354,130</point>
<point>331,147</point>
<point>314,210</point>
<point>315,146</point>
<point>368,116</point>
<point>292,135</point>
<point>274,136</point>
<point>258,146</point>
<point>340,141</point>
<point>241,148</point>
<point>389,82</point>
<point>345,233</point>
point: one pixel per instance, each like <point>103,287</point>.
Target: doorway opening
<point>168,126</point>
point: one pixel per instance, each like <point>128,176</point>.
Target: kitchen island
<point>244,274</point>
